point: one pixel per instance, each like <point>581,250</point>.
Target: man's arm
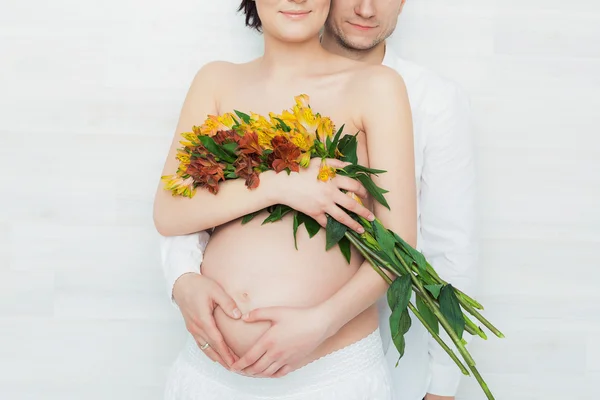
<point>181,255</point>
<point>448,215</point>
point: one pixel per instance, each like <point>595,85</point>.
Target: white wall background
<point>89,98</point>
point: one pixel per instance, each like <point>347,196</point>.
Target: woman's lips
<point>295,14</point>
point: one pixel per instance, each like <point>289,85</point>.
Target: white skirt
<point>356,372</point>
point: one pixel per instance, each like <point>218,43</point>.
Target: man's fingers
<point>213,355</point>
<point>216,341</point>
<point>226,303</point>
<point>272,369</point>
<point>260,365</point>
<point>286,369</point>
<point>262,314</point>
<point>250,357</point>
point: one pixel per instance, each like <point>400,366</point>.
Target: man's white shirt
<point>445,177</point>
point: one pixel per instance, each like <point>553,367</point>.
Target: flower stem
<point>459,345</point>
<point>365,253</point>
<point>484,321</point>
<point>439,339</point>
<point>437,312</point>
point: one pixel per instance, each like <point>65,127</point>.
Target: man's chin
<point>359,44</point>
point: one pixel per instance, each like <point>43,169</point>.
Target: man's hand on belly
<point>197,297</point>
<point>294,334</point>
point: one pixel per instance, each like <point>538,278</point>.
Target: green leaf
<point>243,117</point>
<point>344,244</point>
<point>399,324</point>
<point>347,146</point>
<point>215,149</point>
<point>278,212</point>
<point>428,315</point>
<point>450,309</point>
<point>312,226</point>
<point>334,143</point>
<point>248,217</point>
<point>415,255</point>
<point>296,225</point>
<point>353,169</point>
<point>384,238</point>
<point>283,125</point>
<point>334,232</point>
<point>434,290</point>
<point>399,292</point>
<point>230,148</point>
<point>373,189</point>
<point>231,175</point>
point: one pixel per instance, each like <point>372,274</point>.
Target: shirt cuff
<point>181,255</point>
<point>444,379</point>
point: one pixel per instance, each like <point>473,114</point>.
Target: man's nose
<point>365,9</point>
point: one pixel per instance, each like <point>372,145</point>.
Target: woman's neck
<point>287,59</point>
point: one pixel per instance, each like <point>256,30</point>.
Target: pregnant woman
<point>331,321</point>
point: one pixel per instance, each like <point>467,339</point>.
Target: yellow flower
<point>179,186</point>
<point>301,140</point>
<point>183,157</point>
<point>325,172</point>
<point>265,137</point>
<point>325,129</point>
<point>307,119</point>
<point>304,160</point>
<point>209,128</point>
<point>302,101</point>
<point>226,120</point>
<point>355,198</point>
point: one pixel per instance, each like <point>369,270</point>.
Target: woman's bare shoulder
<point>217,71</point>
<point>377,79</point>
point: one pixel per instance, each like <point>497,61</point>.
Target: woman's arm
<point>181,215</point>
<point>387,122</point>
<point>302,191</point>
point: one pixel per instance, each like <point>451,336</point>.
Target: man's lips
<point>361,27</point>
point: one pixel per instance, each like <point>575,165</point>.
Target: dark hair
<point>252,18</point>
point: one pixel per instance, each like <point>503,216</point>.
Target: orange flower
<point>285,155</point>
<point>249,144</point>
<point>207,172</point>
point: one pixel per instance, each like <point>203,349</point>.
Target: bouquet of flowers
<point>237,145</point>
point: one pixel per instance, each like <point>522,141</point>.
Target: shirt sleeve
<point>448,215</point>
<point>181,255</point>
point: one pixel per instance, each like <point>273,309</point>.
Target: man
<point>445,184</point>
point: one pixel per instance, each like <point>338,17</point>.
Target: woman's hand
<point>303,192</point>
<point>295,332</point>
<point>197,297</point>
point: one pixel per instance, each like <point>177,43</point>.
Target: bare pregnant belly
<point>259,267</point>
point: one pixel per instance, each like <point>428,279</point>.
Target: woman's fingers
<point>342,217</point>
<point>350,204</point>
<point>351,185</point>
